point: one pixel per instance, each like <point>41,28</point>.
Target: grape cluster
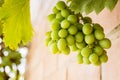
<point>73,32</point>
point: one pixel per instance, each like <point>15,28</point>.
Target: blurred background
<point>42,65</point>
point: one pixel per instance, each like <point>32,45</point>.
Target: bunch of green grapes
<point>73,32</point>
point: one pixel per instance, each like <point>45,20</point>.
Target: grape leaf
<point>88,6</point>
<point>99,5</point>
<point>110,4</point>
<point>17,27</point>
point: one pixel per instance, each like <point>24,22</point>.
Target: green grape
<point>68,0</point>
<point>87,28</point>
<point>53,48</point>
<point>72,18</point>
<point>54,35</point>
<point>103,58</point>
<point>98,50</point>
<point>66,51</point>
<point>99,35</point>
<point>72,30</point>
<point>80,45</point>
<point>98,63</point>
<point>50,42</point>
<point>59,16</point>
<point>105,43</point>
<point>87,20</point>
<point>86,60</point>
<point>59,52</point>
<point>55,25</point>
<point>73,47</point>
<point>97,27</point>
<point>6,61</point>
<point>51,17</point>
<point>89,39</point>
<point>91,45</point>
<point>63,33</point>
<point>65,24</point>
<point>62,44</point>
<point>79,58</point>
<point>79,26</point>
<point>47,40</point>
<point>1,74</point>
<point>60,5</point>
<point>104,52</point>
<point>70,40</point>
<point>85,52</point>
<point>93,58</point>
<point>79,37</point>
<point>79,51</point>
<point>65,13</point>
<point>55,10</point>
<point>48,34</point>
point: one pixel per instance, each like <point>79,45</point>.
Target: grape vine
<point>70,31</point>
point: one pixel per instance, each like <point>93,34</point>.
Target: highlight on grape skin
<point>72,32</point>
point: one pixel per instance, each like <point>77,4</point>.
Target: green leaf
<point>110,4</point>
<point>88,6</point>
<point>99,5</point>
<point>78,5</point>
<point>17,27</point>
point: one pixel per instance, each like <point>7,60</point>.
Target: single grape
<point>81,45</point>
<point>86,60</point>
<point>65,13</point>
<point>59,52</point>
<point>66,51</point>
<point>59,16</point>
<point>79,58</point>
<point>87,28</point>
<point>65,24</point>
<point>54,35</point>
<point>60,5</point>
<point>72,18</point>
<point>99,35</point>
<point>79,26</point>
<point>87,20</point>
<point>55,25</point>
<point>63,33</point>
<point>89,39</point>
<point>79,37</point>
<point>55,10</point>
<point>85,52</point>
<point>98,63</point>
<point>98,50</point>
<point>53,48</point>
<point>97,27</point>
<point>51,17</point>
<point>73,47</point>
<point>48,34</point>
<point>47,40</point>
<point>70,40</point>
<point>105,43</point>
<point>61,44</point>
<point>104,58</point>
<point>93,58</point>
<point>51,42</point>
<point>72,29</point>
